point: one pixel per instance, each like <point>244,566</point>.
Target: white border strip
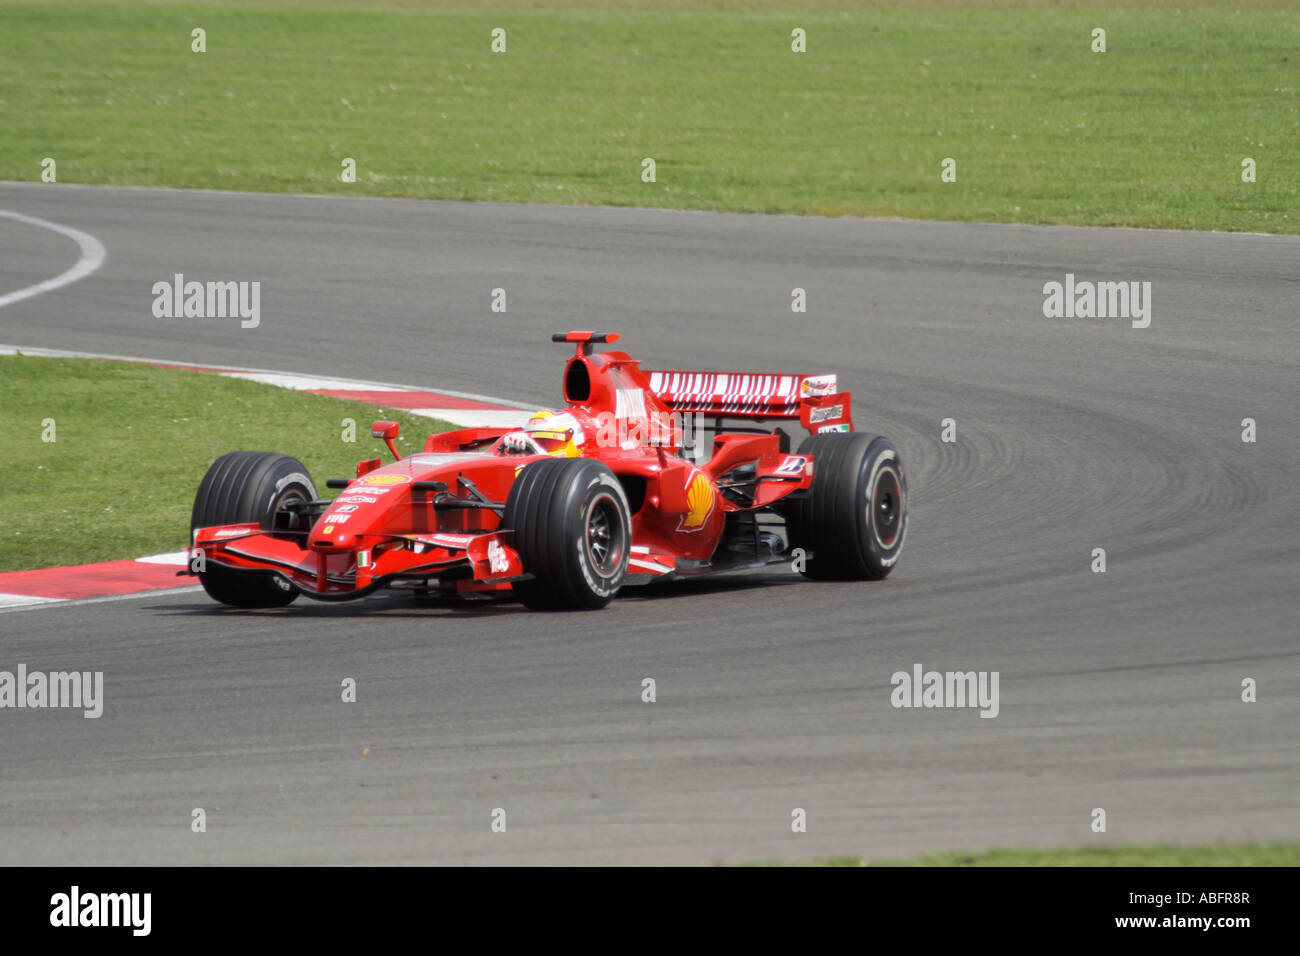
<point>178,558</point>
<point>23,600</point>
<point>71,602</point>
<point>340,383</point>
<point>476,417</point>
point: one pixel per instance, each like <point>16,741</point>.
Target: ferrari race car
<point>614,490</point>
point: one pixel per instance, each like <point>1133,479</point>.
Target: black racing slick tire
<point>247,486</point>
<point>573,530</point>
<point>854,519</point>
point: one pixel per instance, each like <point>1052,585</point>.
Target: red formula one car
<point>576,504</point>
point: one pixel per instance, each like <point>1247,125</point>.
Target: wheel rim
<point>282,520</point>
<point>885,512</point>
<point>604,535</point>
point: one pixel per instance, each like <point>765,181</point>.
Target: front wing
<point>475,562</point>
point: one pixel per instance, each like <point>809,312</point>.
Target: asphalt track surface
<point>1118,690</point>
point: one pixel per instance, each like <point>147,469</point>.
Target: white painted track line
<point>93,255</point>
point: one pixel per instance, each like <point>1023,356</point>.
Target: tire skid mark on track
<point>1101,466</point>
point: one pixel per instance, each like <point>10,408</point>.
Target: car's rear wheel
<point>572,529</point>
<point>242,487</point>
<point>854,519</point>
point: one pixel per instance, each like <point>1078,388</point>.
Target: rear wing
<point>812,399</point>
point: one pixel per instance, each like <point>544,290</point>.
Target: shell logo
<point>385,479</point>
<point>699,503</point>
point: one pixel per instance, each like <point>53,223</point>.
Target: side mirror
<point>387,431</point>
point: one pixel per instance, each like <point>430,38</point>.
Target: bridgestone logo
<point>826,414</point>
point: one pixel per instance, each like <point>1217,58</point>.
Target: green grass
<point>1150,133</point>
<point>133,442</point>
<point>1217,854</point>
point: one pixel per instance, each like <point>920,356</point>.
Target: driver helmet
<point>559,435</point>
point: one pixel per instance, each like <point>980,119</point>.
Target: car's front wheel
<point>243,487</point>
<point>572,529</point>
